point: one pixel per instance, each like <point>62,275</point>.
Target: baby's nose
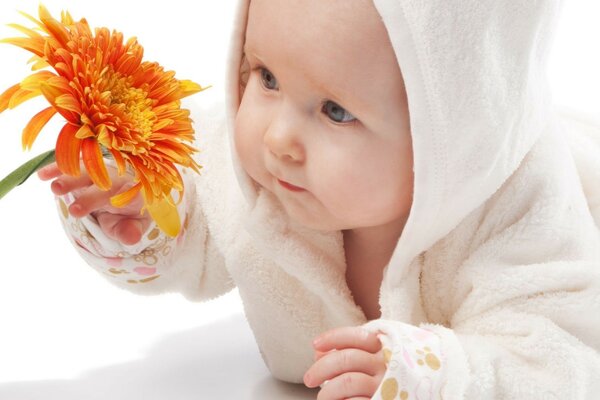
<point>284,144</point>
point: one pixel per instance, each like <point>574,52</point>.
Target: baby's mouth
<point>290,187</point>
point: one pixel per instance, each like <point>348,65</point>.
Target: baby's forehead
<point>333,40</point>
<point>315,58</point>
<point>338,27</point>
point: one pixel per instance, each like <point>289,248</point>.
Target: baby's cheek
<point>346,189</point>
<point>246,151</point>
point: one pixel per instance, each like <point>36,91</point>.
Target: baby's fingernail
<point>307,380</point>
<point>317,342</point>
<point>56,187</point>
<point>75,208</point>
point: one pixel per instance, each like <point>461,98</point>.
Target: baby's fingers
<point>66,184</point>
<point>48,172</point>
<point>340,362</point>
<point>62,183</point>
<point>127,230</point>
<point>88,200</point>
<point>348,337</point>
<point>349,385</point>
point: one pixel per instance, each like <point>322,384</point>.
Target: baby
<point>394,197</point>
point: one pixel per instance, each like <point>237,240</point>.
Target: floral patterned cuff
<point>414,359</point>
<point>141,263</point>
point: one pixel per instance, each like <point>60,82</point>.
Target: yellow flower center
<point>135,104</point>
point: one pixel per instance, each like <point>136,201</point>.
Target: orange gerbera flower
<point>114,103</point>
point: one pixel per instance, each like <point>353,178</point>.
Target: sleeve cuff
<point>143,262</point>
<point>415,360</point>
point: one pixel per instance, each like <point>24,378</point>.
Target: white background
<point>65,333</point>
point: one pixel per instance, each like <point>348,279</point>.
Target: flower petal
<point>52,26</point>
<point>84,132</point>
<point>69,103</point>
<point>38,63</point>
<point>122,199</point>
<point>29,32</point>
<point>54,88</point>
<point>21,96</point>
<point>120,160</point>
<point>188,88</point>
<point>67,150</point>
<point>34,45</point>
<point>33,81</point>
<point>94,164</point>
<point>7,95</point>
<point>66,18</point>
<point>35,125</point>
<point>32,19</point>
<point>165,214</point>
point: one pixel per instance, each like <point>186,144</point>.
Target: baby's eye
<point>337,113</point>
<point>268,79</point>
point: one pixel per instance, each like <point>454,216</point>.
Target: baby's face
<point>325,110</point>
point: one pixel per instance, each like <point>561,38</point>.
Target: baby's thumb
<point>129,231</point>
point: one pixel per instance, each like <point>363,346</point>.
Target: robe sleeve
<point>524,322</point>
<point>189,264</point>
<point>511,352</point>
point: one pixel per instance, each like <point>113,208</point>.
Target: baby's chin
<point>313,220</point>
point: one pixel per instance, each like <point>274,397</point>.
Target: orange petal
<point>121,166</point>
<point>122,199</point>
<point>162,123</point>
<point>173,112</point>
<point>66,18</point>
<point>7,95</point>
<point>56,87</point>
<point>34,45</point>
<point>170,152</point>
<point>188,88</point>
<point>52,26</point>
<point>94,164</point>
<point>104,135</point>
<point>84,132</point>
<point>32,19</point>
<point>35,125</point>
<point>69,103</point>
<point>67,150</point>
<point>38,63</point>
<point>21,96</point>
<point>166,216</point>
<point>64,70</point>
<point>33,81</point>
<point>24,30</point>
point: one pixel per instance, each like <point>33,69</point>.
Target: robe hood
<point>478,98</point>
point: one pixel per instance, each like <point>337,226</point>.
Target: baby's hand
<point>123,224</point>
<point>351,360</point>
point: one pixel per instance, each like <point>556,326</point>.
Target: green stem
<point>20,175</point>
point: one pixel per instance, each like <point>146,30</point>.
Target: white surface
<point>65,333</point>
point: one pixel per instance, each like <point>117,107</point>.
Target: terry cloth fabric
<point>500,252</point>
